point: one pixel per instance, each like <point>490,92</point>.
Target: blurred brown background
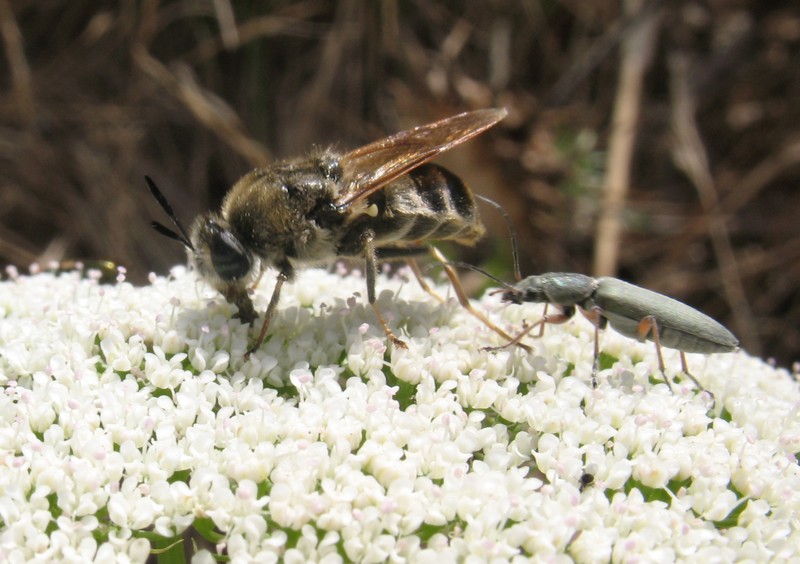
<point>692,106</point>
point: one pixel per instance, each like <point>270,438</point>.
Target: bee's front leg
<point>237,295</point>
<point>273,303</point>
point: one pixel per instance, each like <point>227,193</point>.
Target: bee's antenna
<point>162,200</point>
<point>167,232</point>
<point>512,232</point>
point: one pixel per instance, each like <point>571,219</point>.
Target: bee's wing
<point>369,168</point>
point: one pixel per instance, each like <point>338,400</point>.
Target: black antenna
<point>182,237</point>
<point>514,248</point>
<point>167,232</point>
<point>480,270</point>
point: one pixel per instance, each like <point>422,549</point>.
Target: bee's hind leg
<point>407,254</point>
<point>372,273</point>
<point>455,281</point>
<point>412,263</point>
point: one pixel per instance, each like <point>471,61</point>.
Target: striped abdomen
<point>429,203</point>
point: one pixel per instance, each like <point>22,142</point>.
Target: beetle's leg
<point>649,327</point>
<point>553,319</point>
<point>700,387</point>
<point>595,315</point>
<point>596,361</point>
<point>544,316</point>
<point>516,340</point>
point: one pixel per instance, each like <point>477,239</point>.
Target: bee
<point>381,201</point>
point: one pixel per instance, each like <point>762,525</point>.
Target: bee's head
<point>214,250</point>
<point>217,253</point>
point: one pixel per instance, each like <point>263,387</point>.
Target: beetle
<point>632,311</point>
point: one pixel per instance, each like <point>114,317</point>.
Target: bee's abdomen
<point>428,203</point>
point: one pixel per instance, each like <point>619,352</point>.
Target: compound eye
<point>227,254</point>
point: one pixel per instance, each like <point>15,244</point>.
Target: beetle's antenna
<point>162,200</point>
<point>512,232</point>
<point>482,271</point>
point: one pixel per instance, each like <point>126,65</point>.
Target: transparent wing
<point>369,168</point>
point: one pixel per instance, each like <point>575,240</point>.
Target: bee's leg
<point>273,303</point>
<point>464,300</point>
<point>257,281</point>
<point>408,254</point>
<point>412,263</point>
<point>372,273</point>
<point>237,295</point>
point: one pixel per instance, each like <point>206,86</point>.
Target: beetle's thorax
<point>559,288</point>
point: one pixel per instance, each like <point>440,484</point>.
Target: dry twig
<point>690,155</point>
<point>636,53</point>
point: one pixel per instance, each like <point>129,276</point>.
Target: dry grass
<point>196,93</point>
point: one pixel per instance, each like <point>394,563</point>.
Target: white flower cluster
<point>130,420</point>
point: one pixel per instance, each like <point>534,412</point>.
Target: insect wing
<point>681,326</point>
<point>369,168</point>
